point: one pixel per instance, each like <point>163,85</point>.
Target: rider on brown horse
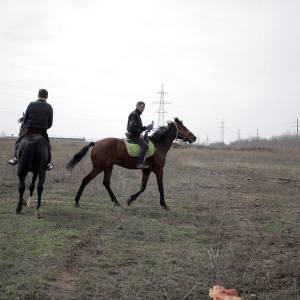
<point>135,129</point>
<point>37,119</point>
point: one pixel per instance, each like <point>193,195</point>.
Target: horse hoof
<point>117,203</point>
<point>129,202</point>
<point>39,214</point>
<point>76,204</point>
<point>166,207</point>
<point>24,203</point>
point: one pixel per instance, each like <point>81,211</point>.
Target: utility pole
<point>239,134</point>
<point>207,140</point>
<point>297,127</point>
<point>222,132</point>
<point>257,137</point>
<point>161,111</point>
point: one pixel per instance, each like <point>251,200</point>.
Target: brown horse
<point>111,151</point>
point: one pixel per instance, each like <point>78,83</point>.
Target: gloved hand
<point>149,127</point>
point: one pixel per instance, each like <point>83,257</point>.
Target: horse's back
<point>109,151</point>
<point>36,142</point>
<point>32,153</point>
<point>107,146</point>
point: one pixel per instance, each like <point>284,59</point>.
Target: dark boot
<point>14,160</point>
<point>141,166</point>
<point>50,165</point>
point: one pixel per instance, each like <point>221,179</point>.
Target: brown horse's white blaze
<point>111,151</point>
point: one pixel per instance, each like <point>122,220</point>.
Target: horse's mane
<point>160,133</point>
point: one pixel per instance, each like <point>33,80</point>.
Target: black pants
<point>23,133</point>
<point>144,147</point>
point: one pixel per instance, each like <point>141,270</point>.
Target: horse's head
<point>183,133</point>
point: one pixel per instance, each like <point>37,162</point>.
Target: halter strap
<point>181,130</point>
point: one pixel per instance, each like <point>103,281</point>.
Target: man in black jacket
<point>38,118</point>
<point>135,129</point>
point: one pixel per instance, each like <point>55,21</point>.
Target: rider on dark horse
<point>135,129</point>
<point>37,119</point>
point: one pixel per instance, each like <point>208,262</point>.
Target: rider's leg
<point>144,149</point>
<point>14,160</point>
<point>50,165</point>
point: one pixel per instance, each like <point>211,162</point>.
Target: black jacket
<point>134,124</point>
<point>38,115</point>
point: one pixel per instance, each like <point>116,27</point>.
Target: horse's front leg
<point>159,178</point>
<point>146,173</point>
<point>40,187</point>
<point>106,183</point>
<point>21,193</point>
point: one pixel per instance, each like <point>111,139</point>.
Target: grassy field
<point>234,221</point>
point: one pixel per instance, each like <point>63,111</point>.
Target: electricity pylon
<point>161,111</point>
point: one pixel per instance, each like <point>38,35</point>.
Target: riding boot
<point>14,160</point>
<point>50,165</point>
<point>144,149</point>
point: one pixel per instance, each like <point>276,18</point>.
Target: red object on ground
<point>220,293</point>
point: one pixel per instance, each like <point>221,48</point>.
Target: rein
<point>181,130</point>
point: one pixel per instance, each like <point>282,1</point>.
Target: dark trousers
<point>24,133</point>
<point>143,145</point>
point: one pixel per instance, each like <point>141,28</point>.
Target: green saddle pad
<point>134,150</point>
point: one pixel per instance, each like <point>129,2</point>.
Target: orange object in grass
<point>220,293</point>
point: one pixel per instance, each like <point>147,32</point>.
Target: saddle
<point>134,149</point>
<point>33,131</point>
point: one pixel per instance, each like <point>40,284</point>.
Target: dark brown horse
<point>111,151</point>
<point>32,157</point>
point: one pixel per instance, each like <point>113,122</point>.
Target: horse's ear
<point>178,121</point>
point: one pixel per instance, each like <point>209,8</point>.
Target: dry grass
<point>234,221</point>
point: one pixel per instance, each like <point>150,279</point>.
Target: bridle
<point>180,129</point>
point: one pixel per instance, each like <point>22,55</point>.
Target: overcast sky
<point>230,61</point>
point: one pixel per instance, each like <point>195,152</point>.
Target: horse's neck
<point>168,141</point>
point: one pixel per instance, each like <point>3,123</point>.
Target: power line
<point>85,103</point>
<point>107,93</point>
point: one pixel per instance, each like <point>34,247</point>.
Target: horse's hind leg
<point>145,178</point>
<point>40,188</point>
<point>106,183</point>
<point>85,181</point>
<point>31,189</point>
<point>21,193</point>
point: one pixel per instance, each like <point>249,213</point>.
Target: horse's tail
<point>78,156</point>
<point>26,158</point>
